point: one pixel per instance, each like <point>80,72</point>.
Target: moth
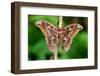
<point>54,35</point>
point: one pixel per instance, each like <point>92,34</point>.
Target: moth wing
<point>50,34</point>
<point>68,34</point>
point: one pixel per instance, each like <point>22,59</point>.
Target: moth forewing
<point>76,30</point>
<point>70,32</point>
<point>50,34</point>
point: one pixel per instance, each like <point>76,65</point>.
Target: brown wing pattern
<point>68,34</point>
<point>50,33</point>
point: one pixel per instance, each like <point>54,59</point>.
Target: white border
<point>25,64</point>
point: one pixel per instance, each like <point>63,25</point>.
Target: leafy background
<point>37,46</point>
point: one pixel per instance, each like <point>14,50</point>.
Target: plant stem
<point>60,22</point>
<point>55,57</point>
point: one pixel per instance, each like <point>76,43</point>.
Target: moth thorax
<point>59,30</point>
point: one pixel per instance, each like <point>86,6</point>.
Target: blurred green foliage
<point>37,46</point>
